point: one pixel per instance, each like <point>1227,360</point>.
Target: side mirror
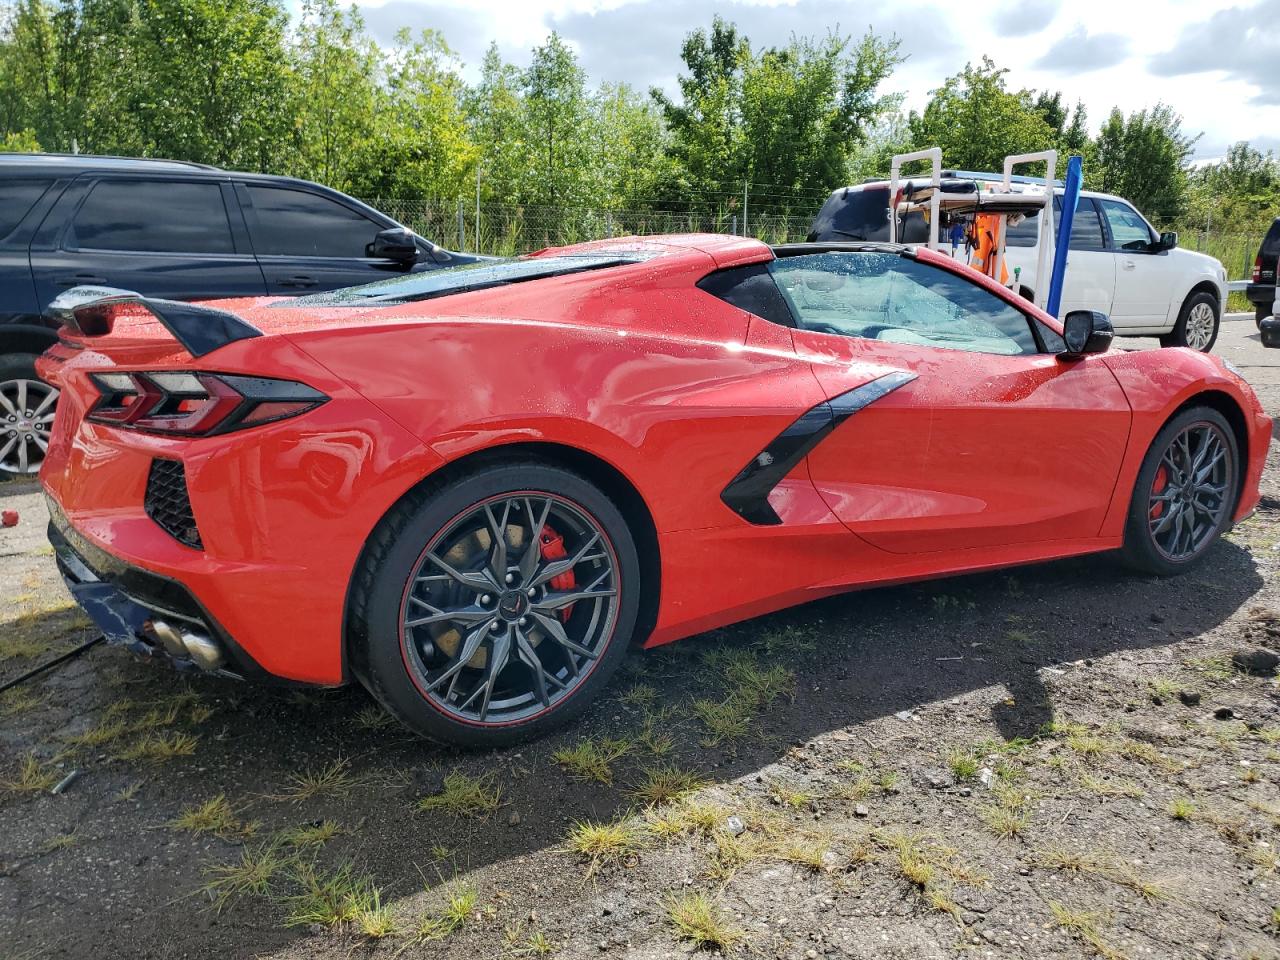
<point>1085,332</point>
<point>1270,330</point>
<point>1168,240</point>
<point>395,243</point>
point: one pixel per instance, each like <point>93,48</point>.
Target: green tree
<point>559,125</point>
<point>978,121</point>
<point>1143,157</point>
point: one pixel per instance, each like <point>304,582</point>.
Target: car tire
<point>1194,328</point>
<point>403,574</point>
<point>1261,311</point>
<point>1157,493</point>
<point>23,439</point>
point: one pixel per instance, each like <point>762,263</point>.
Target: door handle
<point>78,279</point>
<point>297,280</point>
<point>1128,264</point>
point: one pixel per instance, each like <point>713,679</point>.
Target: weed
<point>159,747</point>
<point>33,777</point>
<point>698,921</point>
<point>460,902</point>
<point>788,641</point>
<point>1181,808</point>
<point>1085,927</point>
<point>105,731</point>
<point>687,817</point>
<point>127,793</point>
<point>726,720</point>
<point>335,777</point>
<point>664,784</point>
<point>315,834</point>
<point>658,744</point>
<point>606,843</point>
<point>465,796</point>
<point>591,759</point>
<point>887,781</point>
<point>640,695</point>
<point>372,717</point>
<point>1107,787</point>
<point>786,796</point>
<point>369,916</point>
<point>213,816</point>
<point>251,874</point>
<point>200,713</point>
<point>17,700</point>
<point>326,899</point>
<point>59,841</point>
<point>963,764</point>
<point>1217,668</point>
<point>1102,864</point>
<point>1163,690</point>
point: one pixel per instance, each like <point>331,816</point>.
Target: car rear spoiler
<point>93,311</point>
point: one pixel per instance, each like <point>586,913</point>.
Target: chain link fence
<point>507,230</point>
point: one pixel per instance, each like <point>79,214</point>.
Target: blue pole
<point>1070,198</point>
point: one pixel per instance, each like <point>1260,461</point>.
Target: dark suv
<point>1261,290</point>
<point>182,231</point>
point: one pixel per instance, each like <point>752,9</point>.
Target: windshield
<point>462,279</point>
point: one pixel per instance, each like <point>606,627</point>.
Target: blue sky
<point>1218,64</point>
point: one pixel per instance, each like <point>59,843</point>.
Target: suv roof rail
<point>88,159</point>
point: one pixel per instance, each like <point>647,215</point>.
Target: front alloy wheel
<point>1202,321</point>
<point>26,419</point>
<point>493,607</point>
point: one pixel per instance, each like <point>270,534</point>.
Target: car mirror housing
<point>395,243</point>
<point>1168,240</point>
<point>1085,332</point>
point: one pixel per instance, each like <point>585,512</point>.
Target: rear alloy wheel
<point>512,611</point>
<point>1185,494</point>
<point>26,415</point>
<point>1197,325</point>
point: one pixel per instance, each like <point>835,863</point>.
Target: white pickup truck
<point>1117,263</point>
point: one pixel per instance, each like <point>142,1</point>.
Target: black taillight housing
<point>194,403</point>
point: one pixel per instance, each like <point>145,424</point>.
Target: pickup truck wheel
<point>26,415</point>
<point>1261,311</point>
<point>1197,325</point>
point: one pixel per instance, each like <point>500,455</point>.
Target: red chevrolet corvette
<point>472,489</point>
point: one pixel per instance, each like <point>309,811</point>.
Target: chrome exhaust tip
<point>199,648</point>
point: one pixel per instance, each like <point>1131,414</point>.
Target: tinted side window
<point>1128,230</point>
<point>1271,242</point>
<point>750,288</point>
<point>884,296</point>
<point>292,223</point>
<point>1086,229</point>
<point>152,217</point>
<point>17,197</point>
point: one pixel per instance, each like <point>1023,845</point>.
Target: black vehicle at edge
<point>180,231</point>
<point>1261,291</point>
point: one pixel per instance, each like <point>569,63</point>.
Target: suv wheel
<point>26,415</point>
<point>1261,311</point>
<point>1197,325</point>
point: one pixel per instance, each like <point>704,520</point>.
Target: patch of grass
<point>1083,926</point>
<point>606,843</point>
<point>32,777</point>
<point>1144,752</point>
<point>726,720</point>
<point>788,641</point>
<point>1217,668</point>
<point>916,858</point>
<point>315,834</point>
<point>59,841</point>
<point>213,816</point>
<point>700,922</point>
<point>808,851</point>
<point>1181,808</point>
<point>687,817</point>
<point>373,717</point>
<point>127,793</point>
<point>329,899</point>
<point>657,743</point>
<point>591,759</point>
<point>963,764</point>
<point>1163,690</point>
<point>334,777</point>
<point>252,874</point>
<point>1102,864</point>
<point>460,903</point>
<point>159,747</point>
<point>787,796</point>
<point>200,713</point>
<point>1009,816</point>
<point>641,696</point>
<point>465,796</point>
<point>369,916</point>
<point>1113,787</point>
<point>887,781</point>
<point>17,700</point>
<point>104,731</point>
<point>663,784</point>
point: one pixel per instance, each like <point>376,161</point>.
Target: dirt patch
<point>1060,761</point>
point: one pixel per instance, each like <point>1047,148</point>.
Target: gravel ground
<point>1055,762</point>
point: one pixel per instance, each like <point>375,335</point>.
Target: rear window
<point>152,217</point>
<point>17,197</point>
<point>862,213</point>
<point>463,278</point>
<point>1270,243</point>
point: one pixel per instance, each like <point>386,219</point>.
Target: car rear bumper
<point>1260,293</point>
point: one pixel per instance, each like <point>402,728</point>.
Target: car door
<point>1090,277</point>
<point>994,440</point>
<point>163,237</point>
<point>1146,276</point>
<point>308,242</point>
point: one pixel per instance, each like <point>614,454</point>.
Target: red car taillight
<point>1257,268</point>
<point>197,404</point>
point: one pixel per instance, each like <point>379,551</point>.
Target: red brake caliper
<point>1157,486</point>
<point>553,549</point>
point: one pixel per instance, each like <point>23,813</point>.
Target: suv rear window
<point>152,216</point>
<point>862,213</point>
<point>463,278</point>
<point>1270,248</point>
<point>17,197</point>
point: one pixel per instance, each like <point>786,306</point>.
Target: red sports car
<point>473,489</point>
